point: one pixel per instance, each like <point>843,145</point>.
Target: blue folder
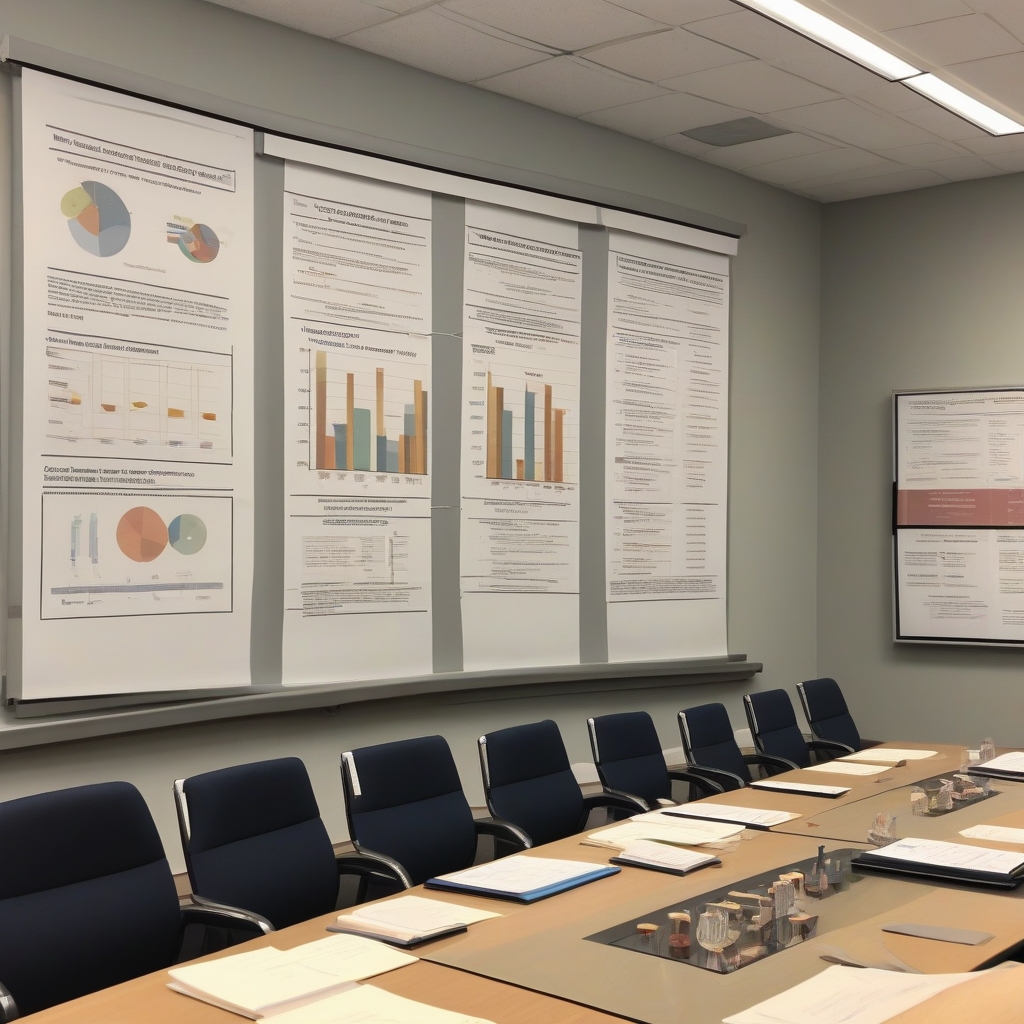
<point>532,895</point>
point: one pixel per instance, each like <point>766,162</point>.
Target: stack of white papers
<point>410,918</point>
<point>364,1004</point>
<point>848,768</point>
<point>800,787</point>
<point>890,754</point>
<point>849,995</point>
<point>663,829</point>
<point>269,980</point>
<point>751,817</point>
<point>955,856</point>
<point>674,859</point>
<point>522,877</point>
<point>1010,764</point>
<point>996,833</point>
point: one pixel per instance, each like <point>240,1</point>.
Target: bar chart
<point>526,432</point>
<point>368,415</point>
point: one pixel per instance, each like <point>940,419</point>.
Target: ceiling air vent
<point>732,133</point>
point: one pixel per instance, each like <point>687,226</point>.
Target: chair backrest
<point>528,781</point>
<point>405,800</point>
<point>628,755</point>
<point>86,895</point>
<point>827,713</point>
<point>773,726</point>
<point>709,741</point>
<point>253,838</point>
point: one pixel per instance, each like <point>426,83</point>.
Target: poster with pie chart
<point>97,218</point>
<point>187,534</point>
<point>197,242</point>
<point>141,534</point>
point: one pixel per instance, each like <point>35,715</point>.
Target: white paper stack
<point>661,828</point>
<point>889,754</point>
<point>267,981</point>
<point>800,787</point>
<point>848,768</point>
<point>751,817</point>
<point>849,995</point>
<point>410,919</point>
<point>995,833</point>
<point>365,1004</point>
<point>661,857</point>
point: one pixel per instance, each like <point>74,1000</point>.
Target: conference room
<point>511,511</point>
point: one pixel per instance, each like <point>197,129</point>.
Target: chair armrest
<point>504,831</point>
<point>220,915</point>
<point>616,798</point>
<point>727,780</point>
<point>773,764</point>
<point>366,862</point>
<point>8,1007</point>
<point>830,745</point>
<point>709,786</point>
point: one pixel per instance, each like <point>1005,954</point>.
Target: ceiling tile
<point>887,14</point>
<point>763,151</point>
<point>832,71</point>
<point>873,170</point>
<point>757,36</point>
<point>1009,14</point>
<point>850,123</point>
<point>922,155</point>
<point>570,85</point>
<point>812,165</point>
<point>564,24</point>
<point>984,145</point>
<point>678,12</point>
<point>330,18</point>
<point>955,40</point>
<point>901,181</point>
<point>894,97</point>
<point>964,167</point>
<point>1007,161</point>
<point>1002,78</point>
<point>428,40</point>
<point>754,85</point>
<point>665,55</point>
<point>684,144</point>
<point>938,121</point>
<point>665,115</point>
<point>398,6</point>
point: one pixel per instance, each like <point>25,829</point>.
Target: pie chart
<point>187,534</point>
<point>99,221</point>
<point>199,243</point>
<point>141,534</point>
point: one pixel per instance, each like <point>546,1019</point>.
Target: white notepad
<point>663,829</point>
<point>266,981</point>
<point>646,854</point>
<point>366,1004</point>
<point>848,768</point>
<point>800,787</point>
<point>518,874</point>
<point>958,856</point>
<point>888,754</point>
<point>756,817</point>
<point>996,833</point>
<point>1012,763</point>
<point>849,995</point>
<point>410,917</point>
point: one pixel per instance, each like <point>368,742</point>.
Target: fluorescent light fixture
<point>824,30</point>
<point>967,107</point>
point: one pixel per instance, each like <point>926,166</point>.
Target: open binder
<point>946,862</point>
<point>521,879</point>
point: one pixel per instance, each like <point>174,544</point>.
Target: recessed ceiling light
<point>966,106</point>
<point>829,33</point>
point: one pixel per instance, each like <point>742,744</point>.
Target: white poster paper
<point>138,385</point>
<point>666,450</point>
<point>357,428</point>
<point>520,439</point>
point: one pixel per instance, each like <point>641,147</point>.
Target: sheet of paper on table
<point>365,1004</point>
<point>1012,763</point>
<point>519,875</point>
<point>934,853</point>
<point>674,859</point>
<point>848,768</point>
<point>663,829</point>
<point>755,817</point>
<point>849,995</point>
<point>888,754</point>
<point>996,833</point>
<point>800,787</point>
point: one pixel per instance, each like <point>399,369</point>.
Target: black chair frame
<point>829,748</point>
<point>370,865</point>
<point>771,765</point>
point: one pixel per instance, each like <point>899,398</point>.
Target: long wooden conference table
<point>536,965</point>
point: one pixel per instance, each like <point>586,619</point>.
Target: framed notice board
<point>958,516</point>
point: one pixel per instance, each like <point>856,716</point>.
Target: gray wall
<point>920,289</point>
<point>772,602</point>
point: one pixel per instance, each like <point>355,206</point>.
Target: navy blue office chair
<point>253,837</point>
<point>86,897</point>
<point>528,781</point>
<point>712,751</point>
<point>773,726</point>
<point>407,811</point>
<point>630,762</point>
<point>827,713</point>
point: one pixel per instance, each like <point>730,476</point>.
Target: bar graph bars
<point>353,410</point>
<point>503,431</point>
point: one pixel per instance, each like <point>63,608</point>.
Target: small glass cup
<point>988,749</point>
<point>713,935</point>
